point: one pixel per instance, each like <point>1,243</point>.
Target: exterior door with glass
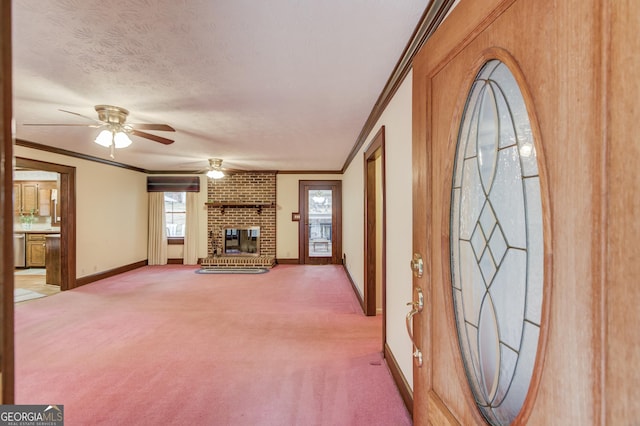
<point>320,231</point>
<point>503,162</point>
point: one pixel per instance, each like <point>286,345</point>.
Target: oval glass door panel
<point>497,244</point>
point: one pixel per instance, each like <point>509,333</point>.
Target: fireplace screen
<point>242,241</point>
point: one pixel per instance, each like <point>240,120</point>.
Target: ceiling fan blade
<point>80,115</point>
<point>151,137</point>
<point>161,127</point>
<point>95,126</point>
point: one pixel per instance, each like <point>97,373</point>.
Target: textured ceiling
<point>272,85</point>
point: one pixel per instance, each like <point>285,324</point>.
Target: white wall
<point>112,214</point>
<point>397,119</point>
<point>111,223</point>
<point>287,203</point>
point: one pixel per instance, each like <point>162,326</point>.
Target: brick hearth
<point>239,262</point>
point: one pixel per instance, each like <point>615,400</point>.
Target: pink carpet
<point>162,345</point>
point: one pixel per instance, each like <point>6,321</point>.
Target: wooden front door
<point>554,54</point>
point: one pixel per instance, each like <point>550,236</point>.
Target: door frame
<point>336,225</point>
<point>374,152</point>
<point>67,216</point>
<point>6,208</point>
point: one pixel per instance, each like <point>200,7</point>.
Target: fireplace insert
<point>241,241</point>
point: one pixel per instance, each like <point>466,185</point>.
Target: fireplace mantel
<point>232,204</point>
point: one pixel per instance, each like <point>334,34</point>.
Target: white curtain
<point>157,247</point>
<point>191,230</point>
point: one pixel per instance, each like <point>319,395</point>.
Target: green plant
<point>28,218</point>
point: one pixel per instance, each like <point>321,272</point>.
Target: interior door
<point>320,232</point>
<point>551,50</point>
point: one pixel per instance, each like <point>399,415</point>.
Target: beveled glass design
<point>497,244</point>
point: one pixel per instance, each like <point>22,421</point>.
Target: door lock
<point>417,265</point>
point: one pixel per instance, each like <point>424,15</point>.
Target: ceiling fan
<point>115,130</point>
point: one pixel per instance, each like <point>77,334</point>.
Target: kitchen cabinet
<point>44,201</point>
<point>33,196</point>
<point>35,250</point>
<point>17,198</point>
<point>25,195</point>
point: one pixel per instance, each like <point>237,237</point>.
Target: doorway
<point>320,227</point>
<point>66,204</point>
<point>375,230</point>
<point>36,234</point>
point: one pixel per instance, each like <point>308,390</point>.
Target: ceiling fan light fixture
<point>215,174</point>
<point>121,140</point>
<point>104,138</point>
<point>215,168</point>
<point>108,137</point>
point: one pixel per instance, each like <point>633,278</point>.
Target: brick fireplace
<point>241,200</point>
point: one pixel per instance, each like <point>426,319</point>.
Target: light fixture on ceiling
<point>215,168</point>
<point>114,134</point>
<point>115,131</point>
<point>117,138</point>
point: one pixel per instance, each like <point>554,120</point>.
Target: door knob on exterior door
<point>417,306</point>
<point>417,265</point>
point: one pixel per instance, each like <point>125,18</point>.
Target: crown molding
<point>430,20</point>
<point>53,150</point>
<point>60,151</point>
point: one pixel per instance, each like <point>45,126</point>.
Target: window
<point>497,248</point>
<point>176,214</point>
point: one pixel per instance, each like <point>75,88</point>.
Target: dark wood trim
<point>302,208</point>
<point>354,287</point>
<point>28,163</point>
<point>175,241</point>
<point>67,216</point>
<point>303,248</point>
<point>110,273</point>
<point>430,20</point>
<point>375,151</point>
<point>175,172</point>
<point>222,205</point>
<point>6,208</point>
<point>41,147</point>
<point>370,243</point>
<point>287,261</point>
<point>401,382</point>
<point>225,204</point>
<point>309,172</point>
<point>175,261</point>
<point>60,151</point>
<point>202,172</point>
